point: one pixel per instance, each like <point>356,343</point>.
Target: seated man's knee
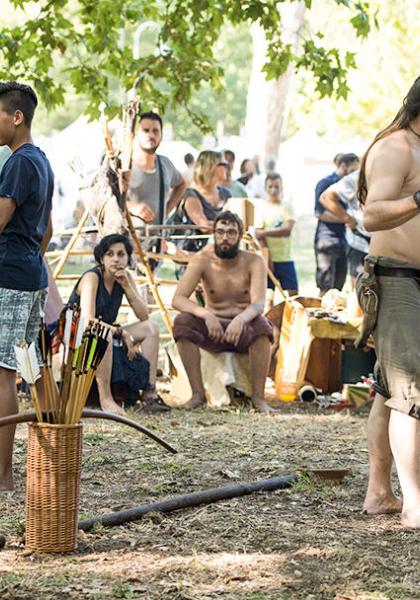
<point>153,328</point>
<point>261,340</point>
<point>184,319</point>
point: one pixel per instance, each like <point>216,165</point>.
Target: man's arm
<point>283,231</point>
<point>258,288</point>
<point>7,208</point>
<point>331,202</point>
<point>47,237</point>
<point>176,195</point>
<point>328,217</point>
<point>387,167</point>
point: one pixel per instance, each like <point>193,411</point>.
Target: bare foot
<point>381,504</point>
<point>262,406</point>
<point>196,400</point>
<point>109,405</point>
<point>411,518</point>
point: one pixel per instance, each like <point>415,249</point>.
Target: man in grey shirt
<point>147,172</point>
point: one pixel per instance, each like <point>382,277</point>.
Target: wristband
<point>118,334</point>
<point>416,198</point>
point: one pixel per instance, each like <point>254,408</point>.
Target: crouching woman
<point>99,292</point>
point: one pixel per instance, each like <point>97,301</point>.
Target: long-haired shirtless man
<point>389,189</point>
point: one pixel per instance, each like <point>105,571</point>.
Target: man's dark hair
<point>229,155</point>
<point>18,96</point>
<point>272,177</point>
<point>151,115</point>
<point>409,111</point>
<point>109,240</point>
<point>229,217</point>
<point>189,159</point>
<point>336,159</point>
<point>347,159</point>
<point>243,165</point>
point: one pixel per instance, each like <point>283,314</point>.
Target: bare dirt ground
<point>309,542</point>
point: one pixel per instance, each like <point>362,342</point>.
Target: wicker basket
<point>52,486</point>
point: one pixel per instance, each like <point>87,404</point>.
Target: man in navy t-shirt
<point>26,188</point>
<point>330,234</point>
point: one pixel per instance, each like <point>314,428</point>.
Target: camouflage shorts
<point>20,318</point>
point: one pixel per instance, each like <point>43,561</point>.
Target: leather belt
<point>397,272</point>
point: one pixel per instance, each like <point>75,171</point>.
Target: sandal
<point>151,402</point>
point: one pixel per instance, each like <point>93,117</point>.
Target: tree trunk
<point>266,101</point>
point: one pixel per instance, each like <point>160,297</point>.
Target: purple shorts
<point>194,329</point>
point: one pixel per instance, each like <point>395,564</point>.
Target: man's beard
<point>150,150</point>
<point>230,252</point>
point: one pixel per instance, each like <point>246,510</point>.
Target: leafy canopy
<point>80,43</point>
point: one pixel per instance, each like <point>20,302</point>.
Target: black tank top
<point>210,211</point>
<point>107,304</point>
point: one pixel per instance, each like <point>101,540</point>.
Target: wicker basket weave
<point>52,486</point>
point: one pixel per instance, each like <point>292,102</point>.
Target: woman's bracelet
<point>118,332</point>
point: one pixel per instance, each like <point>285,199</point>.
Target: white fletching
<point>80,330</point>
<point>67,327</point>
<point>27,363</point>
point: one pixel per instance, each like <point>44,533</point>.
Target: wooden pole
<point>149,272</point>
<point>72,241</point>
<point>255,246</point>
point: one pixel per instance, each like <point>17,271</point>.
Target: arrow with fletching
<point>27,364</point>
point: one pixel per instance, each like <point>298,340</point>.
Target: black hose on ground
<point>189,500</point>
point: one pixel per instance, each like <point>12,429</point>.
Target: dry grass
<point>310,542</point>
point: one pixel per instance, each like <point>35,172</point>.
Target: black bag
<point>135,373</point>
<point>179,216</point>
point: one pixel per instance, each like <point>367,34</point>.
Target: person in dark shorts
<point>26,189</point>
<point>234,283</point>
<point>279,222</point>
<point>340,199</point>
<point>330,234</point>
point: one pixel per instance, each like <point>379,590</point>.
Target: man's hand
<point>351,223</point>
<point>214,327</point>
<point>172,250</point>
<point>260,234</point>
<point>144,212</point>
<point>234,330</point>
<point>129,343</point>
<point>121,277</point>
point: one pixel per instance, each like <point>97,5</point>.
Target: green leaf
<point>85,47</point>
<point>361,24</point>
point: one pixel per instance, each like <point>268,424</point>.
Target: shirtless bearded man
<point>234,283</point>
<point>389,187</point>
